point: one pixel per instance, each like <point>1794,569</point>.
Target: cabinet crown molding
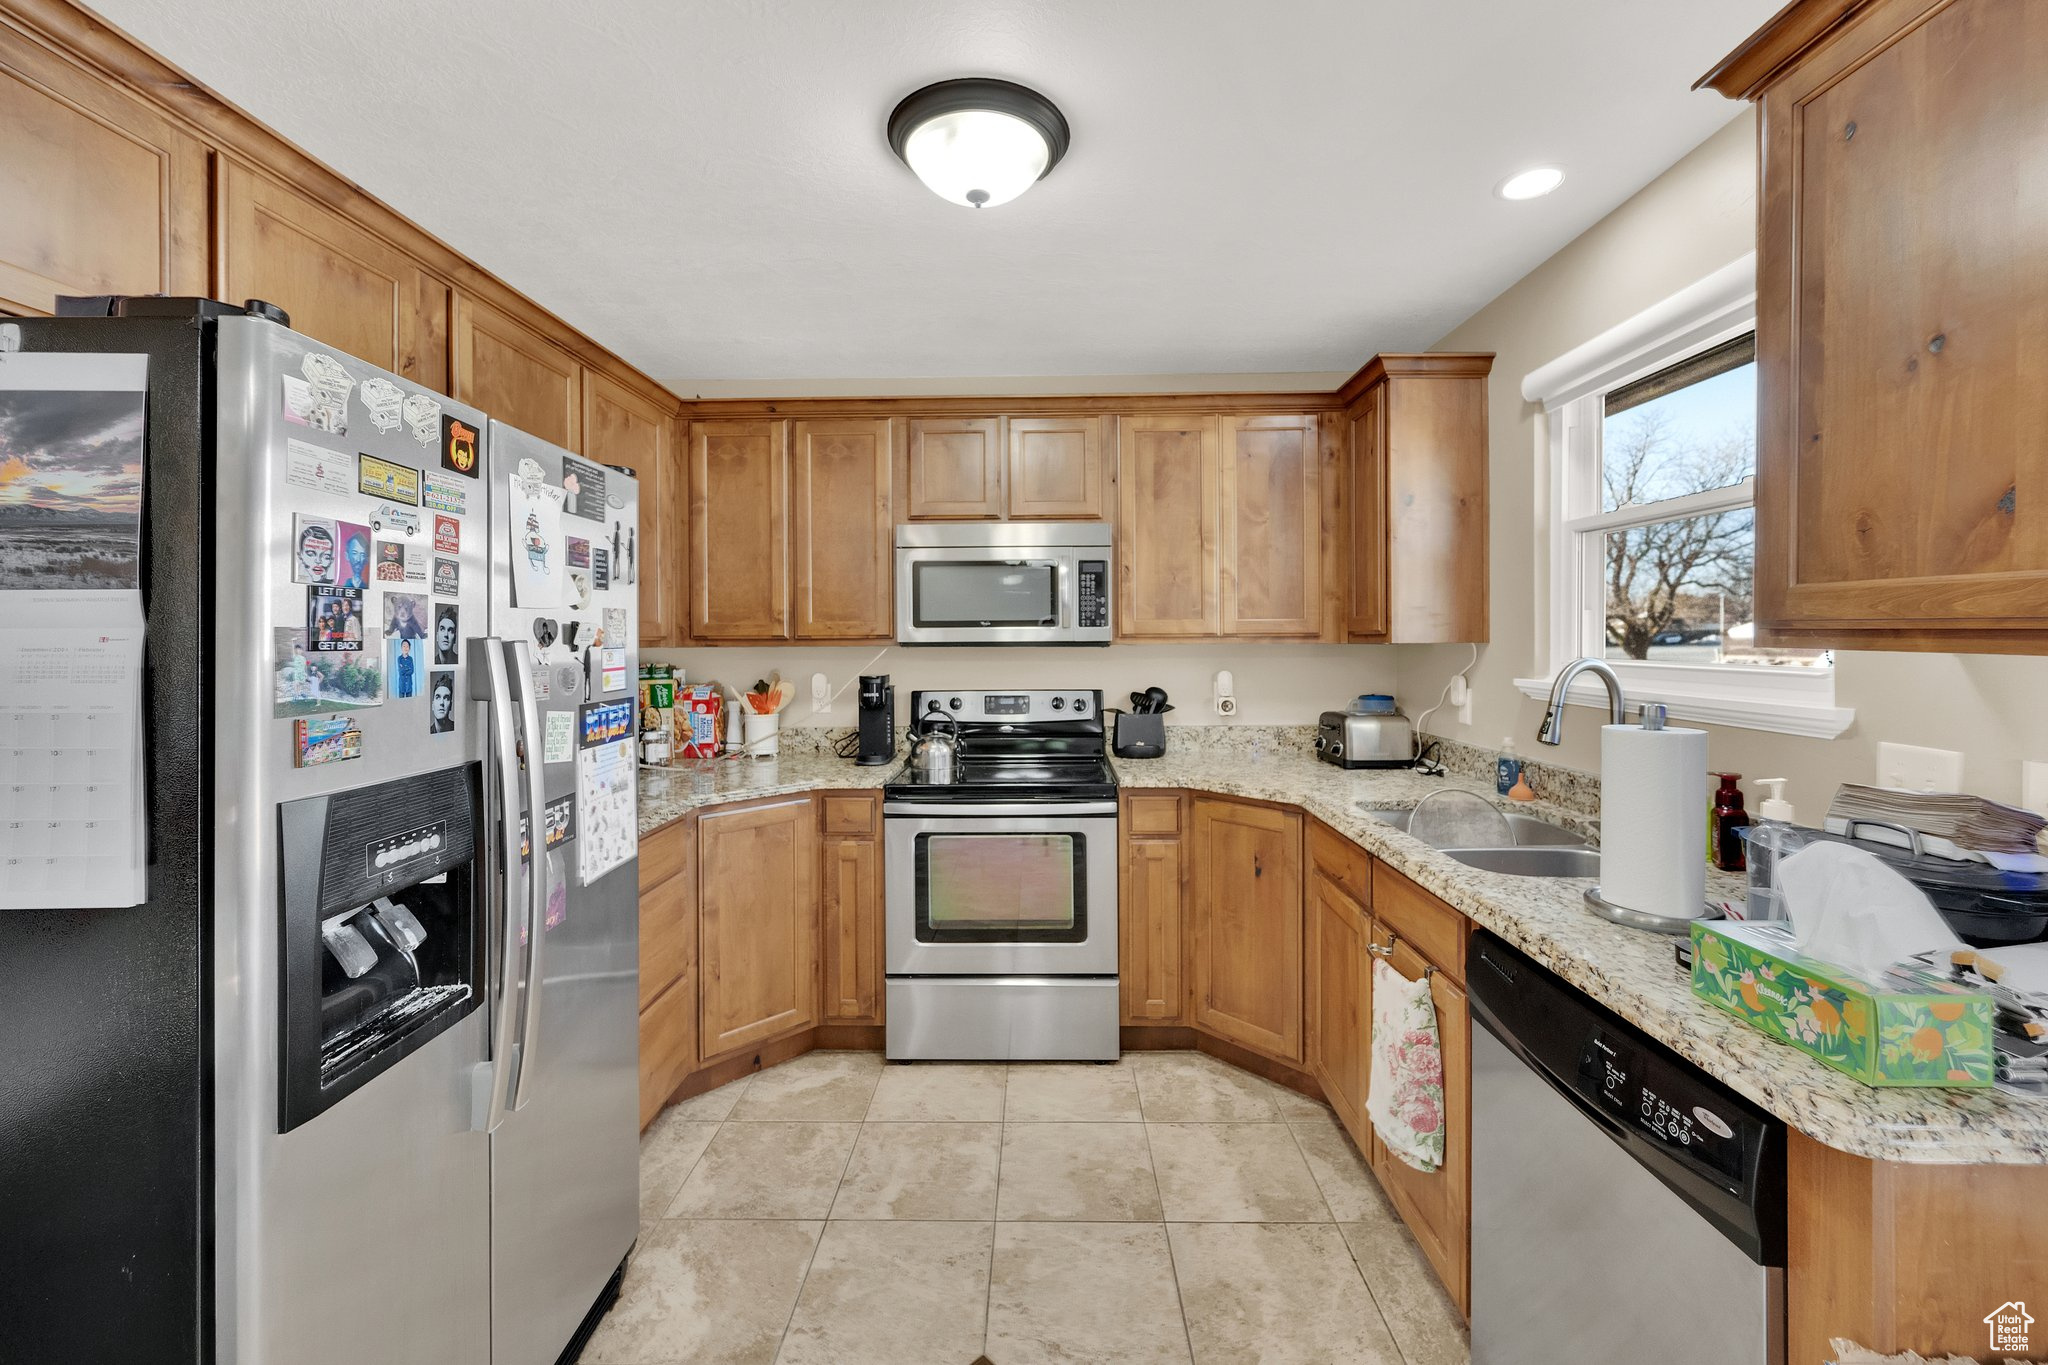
<point>1744,73</point>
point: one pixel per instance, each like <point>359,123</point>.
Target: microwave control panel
<point>1093,608</point>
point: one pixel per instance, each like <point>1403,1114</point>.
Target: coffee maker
<point>877,720</point>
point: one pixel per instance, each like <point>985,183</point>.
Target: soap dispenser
<point>1773,836</point>
<point>1724,826</point>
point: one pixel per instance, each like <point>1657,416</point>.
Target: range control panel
<point>1012,707</point>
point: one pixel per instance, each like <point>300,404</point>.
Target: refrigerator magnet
<point>447,636</point>
<point>383,400</point>
<point>422,416</point>
<point>447,577</point>
<point>600,569</point>
<point>390,517</point>
<point>404,664</point>
<point>416,564</point>
<point>334,620</point>
<point>405,616</point>
<point>383,479</point>
<point>315,546</point>
<point>390,561</point>
<point>352,566</point>
<point>612,670</point>
<point>309,683</point>
<point>560,740</point>
<point>325,739</point>
<point>579,553</point>
<point>441,701</point>
<point>447,535</point>
<point>460,448</point>
<point>615,626</point>
<point>632,560</point>
<point>314,469</point>
<point>443,494</point>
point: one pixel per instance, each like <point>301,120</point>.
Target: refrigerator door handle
<point>519,661</point>
<point>491,1080</point>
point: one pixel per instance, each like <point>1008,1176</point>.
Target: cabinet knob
<point>1849,132</point>
<point>1937,341</point>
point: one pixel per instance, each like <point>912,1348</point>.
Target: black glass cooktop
<point>1011,779</point>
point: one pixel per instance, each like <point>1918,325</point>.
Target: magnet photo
<point>447,636</point>
<point>390,561</point>
<point>441,701</point>
<point>307,683</point>
<point>352,555</point>
<point>405,616</point>
<point>579,553</point>
<point>459,446</point>
<point>447,577</point>
<point>316,550</point>
<point>447,535</point>
<point>383,479</point>
<point>405,663</point>
<point>334,620</point>
<point>325,739</point>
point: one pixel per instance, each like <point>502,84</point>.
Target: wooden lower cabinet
<point>757,924</point>
<point>668,963</point>
<point>850,907</point>
<point>1339,999</point>
<point>1247,912</point>
<point>668,1046</point>
<point>1150,904</point>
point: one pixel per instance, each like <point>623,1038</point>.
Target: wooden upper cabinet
<point>622,426</point>
<point>1272,545</point>
<point>516,375</point>
<point>739,530</point>
<point>1247,926</point>
<point>757,913</point>
<point>1056,469</point>
<point>99,193</point>
<point>1168,496</point>
<point>841,529</point>
<point>1902,298</point>
<point>340,284</point>
<point>954,469</point>
<point>1365,518</point>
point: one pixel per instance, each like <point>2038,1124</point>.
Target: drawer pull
<point>1428,969</point>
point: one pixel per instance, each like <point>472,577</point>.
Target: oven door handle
<point>1050,810</point>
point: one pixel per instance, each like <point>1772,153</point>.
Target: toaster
<point>1350,740</point>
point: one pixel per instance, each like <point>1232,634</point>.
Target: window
<point>1651,438</point>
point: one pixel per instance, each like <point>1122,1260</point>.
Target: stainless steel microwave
<point>1003,583</point>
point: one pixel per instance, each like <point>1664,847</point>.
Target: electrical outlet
<point>1909,767</point>
<point>821,695</point>
<point>2034,786</point>
<point>1461,698</point>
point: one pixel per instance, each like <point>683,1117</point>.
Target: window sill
<point>1778,701</point>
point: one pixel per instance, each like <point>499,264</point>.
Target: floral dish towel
<point>1405,1095</point>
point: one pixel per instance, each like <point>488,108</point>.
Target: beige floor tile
<point>715,1293</point>
<point>896,1293</point>
<point>816,1087</point>
<point>1077,1172</point>
<point>1276,1294</point>
<point>668,1149</point>
<point>1233,1173</point>
<point>930,1171</point>
<point>713,1106</point>
<point>1424,1321</point>
<point>767,1170</point>
<point>1180,1087</point>
<point>1295,1106</point>
<point>1340,1169</point>
<point>930,1092</point>
<point>1059,1092</point>
<point>1069,1292</point>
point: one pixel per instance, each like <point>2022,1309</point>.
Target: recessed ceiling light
<point>978,142</point>
<point>1533,183</point>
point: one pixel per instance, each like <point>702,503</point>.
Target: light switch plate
<point>1909,767</point>
<point>2034,786</point>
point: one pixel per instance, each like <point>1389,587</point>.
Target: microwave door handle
<point>489,684</point>
<point>1061,593</point>
<point>519,660</point>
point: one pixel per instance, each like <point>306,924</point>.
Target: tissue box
<point>1881,1037</point>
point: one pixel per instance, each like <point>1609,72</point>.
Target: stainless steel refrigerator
<point>357,1080</point>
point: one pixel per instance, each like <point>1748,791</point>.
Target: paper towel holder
<point>1643,919</point>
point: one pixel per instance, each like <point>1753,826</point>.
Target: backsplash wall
<point>1275,684</point>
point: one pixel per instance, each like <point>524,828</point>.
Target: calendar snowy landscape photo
<point>70,488</point>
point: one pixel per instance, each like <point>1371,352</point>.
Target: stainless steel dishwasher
<point>1626,1206</point>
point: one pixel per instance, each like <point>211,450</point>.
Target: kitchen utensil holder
<point>1139,736</point>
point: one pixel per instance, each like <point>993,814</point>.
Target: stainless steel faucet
<point>1552,729</point>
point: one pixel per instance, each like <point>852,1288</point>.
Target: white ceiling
<point>703,185</point>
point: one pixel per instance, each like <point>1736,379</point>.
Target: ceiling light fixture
<point>976,141</point>
<point>1533,183</point>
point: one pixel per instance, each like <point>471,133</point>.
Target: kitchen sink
<point>1528,831</point>
<point>1552,861</point>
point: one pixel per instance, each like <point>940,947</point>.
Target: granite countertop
<point>1630,972</point>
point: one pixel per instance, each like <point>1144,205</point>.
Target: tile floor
<point>1166,1210</point>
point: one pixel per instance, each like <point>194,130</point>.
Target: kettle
<point>935,753</point>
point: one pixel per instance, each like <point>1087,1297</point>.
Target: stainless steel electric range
<point>1001,931</point>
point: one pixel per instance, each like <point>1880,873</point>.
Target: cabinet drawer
<point>850,815</point>
<point>1342,861</point>
<point>664,853</point>
<point>668,1047</point>
<point>1152,815</point>
<point>1435,929</point>
<point>668,926</point>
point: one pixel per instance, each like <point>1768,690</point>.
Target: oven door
<point>983,595</point>
<point>1013,890</point>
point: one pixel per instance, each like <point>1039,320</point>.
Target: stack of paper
<point>1969,822</point>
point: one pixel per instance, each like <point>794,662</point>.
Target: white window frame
<point>1572,391</point>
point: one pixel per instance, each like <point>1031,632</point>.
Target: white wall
<point>1275,684</point>
<point>1695,218</point>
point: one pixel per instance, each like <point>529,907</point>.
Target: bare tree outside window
<point>1682,581</point>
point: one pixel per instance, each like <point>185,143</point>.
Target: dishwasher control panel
<point>1647,1092</point>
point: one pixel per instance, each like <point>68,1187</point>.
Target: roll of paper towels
<point>1653,820</point>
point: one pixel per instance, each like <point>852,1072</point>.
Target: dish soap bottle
<point>1724,826</point>
<point>1507,769</point>
<point>1771,837</point>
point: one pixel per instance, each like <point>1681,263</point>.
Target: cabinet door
<point>757,924</point>
<point>1437,1204</point>
<point>668,1046</point>
<point>350,289</point>
<point>1148,926</point>
<point>1902,296</point>
<point>516,375</point>
<point>1056,469</point>
<point>1365,518</point>
<point>668,910</point>
<point>1339,999</point>
<point>1272,548</point>
<point>1436,508</point>
<point>623,427</point>
<point>956,469</point>
<point>1168,492</point>
<point>850,914</point>
<point>739,530</point>
<point>101,193</point>
<point>841,534</point>
<point>1247,926</point>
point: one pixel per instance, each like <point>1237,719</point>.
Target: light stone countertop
<point>1630,972</point>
